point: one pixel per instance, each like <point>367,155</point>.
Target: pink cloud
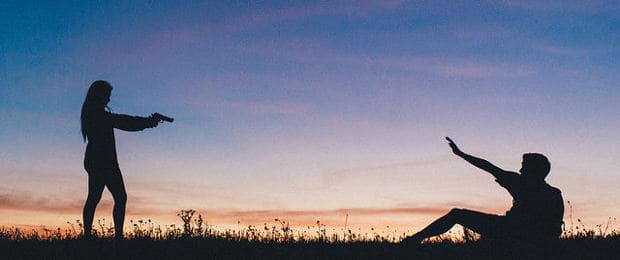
<point>11,202</point>
<point>281,107</point>
<point>480,33</point>
<point>268,214</point>
<point>44,207</point>
<point>331,217</point>
<point>317,52</point>
<point>149,45</point>
<point>357,172</point>
<point>594,6</point>
<point>155,47</point>
<point>472,69</point>
<point>347,8</point>
<point>558,50</point>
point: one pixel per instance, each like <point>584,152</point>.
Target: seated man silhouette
<point>536,213</point>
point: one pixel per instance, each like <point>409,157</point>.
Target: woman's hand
<point>152,121</point>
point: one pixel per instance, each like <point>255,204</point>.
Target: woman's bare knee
<point>93,199</point>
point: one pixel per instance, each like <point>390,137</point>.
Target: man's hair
<point>538,163</point>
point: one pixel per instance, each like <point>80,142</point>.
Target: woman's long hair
<point>97,91</point>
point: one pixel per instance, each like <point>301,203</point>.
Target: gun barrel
<point>163,118</point>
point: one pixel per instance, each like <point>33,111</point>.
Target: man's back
<point>537,209</point>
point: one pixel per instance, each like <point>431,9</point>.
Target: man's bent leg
<point>479,222</point>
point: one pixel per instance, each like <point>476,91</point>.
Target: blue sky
<point>311,105</point>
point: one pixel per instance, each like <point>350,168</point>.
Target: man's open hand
<point>455,149</point>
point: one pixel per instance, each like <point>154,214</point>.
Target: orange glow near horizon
<point>394,221</point>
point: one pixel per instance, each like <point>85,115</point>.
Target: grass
<point>197,240</point>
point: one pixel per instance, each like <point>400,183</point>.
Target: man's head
<point>535,166</point>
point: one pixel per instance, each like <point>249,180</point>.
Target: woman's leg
<point>95,188</point>
<point>117,188</point>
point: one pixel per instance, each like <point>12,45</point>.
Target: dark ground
<point>195,248</point>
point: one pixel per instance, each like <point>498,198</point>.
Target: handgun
<point>161,117</point>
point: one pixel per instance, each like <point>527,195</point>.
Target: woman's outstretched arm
<point>132,123</point>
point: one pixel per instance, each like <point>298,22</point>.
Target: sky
<point>311,110</point>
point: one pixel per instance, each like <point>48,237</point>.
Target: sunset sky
<point>311,110</point>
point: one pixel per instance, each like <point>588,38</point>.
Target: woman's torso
<point>101,147</point>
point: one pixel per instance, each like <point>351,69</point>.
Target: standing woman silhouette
<point>100,160</point>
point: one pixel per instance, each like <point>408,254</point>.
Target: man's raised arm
<point>478,162</point>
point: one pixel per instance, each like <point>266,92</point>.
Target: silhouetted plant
<point>198,231</point>
<point>280,232</point>
<point>186,217</point>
